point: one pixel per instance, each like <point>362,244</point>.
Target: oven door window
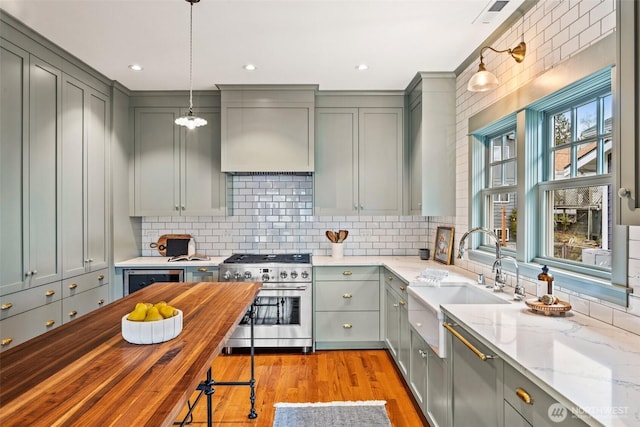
<point>276,310</point>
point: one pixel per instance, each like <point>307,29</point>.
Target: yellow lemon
<point>138,314</point>
<point>152,315</point>
<point>168,311</point>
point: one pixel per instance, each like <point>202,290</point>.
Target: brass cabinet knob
<point>347,273</point>
<point>347,326</point>
<point>101,277</point>
<point>73,286</point>
<point>50,292</point>
<point>524,396</point>
<point>100,301</point>
<point>347,296</point>
<point>390,278</point>
<point>402,288</point>
<point>49,323</point>
<point>6,306</point>
<point>6,341</point>
<point>401,302</point>
<point>72,313</point>
<point>202,269</point>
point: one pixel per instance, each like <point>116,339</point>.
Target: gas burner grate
<point>296,258</point>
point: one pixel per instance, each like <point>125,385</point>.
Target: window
<point>577,187</point>
<point>541,179</point>
<point>499,190</point>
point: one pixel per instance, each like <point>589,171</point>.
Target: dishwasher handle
<point>481,355</point>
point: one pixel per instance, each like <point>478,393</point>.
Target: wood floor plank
<point>322,376</point>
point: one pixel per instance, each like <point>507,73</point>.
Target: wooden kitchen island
<point>84,373</point>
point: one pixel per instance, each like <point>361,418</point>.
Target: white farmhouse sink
<point>426,316</point>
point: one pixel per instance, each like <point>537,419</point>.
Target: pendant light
<point>190,121</point>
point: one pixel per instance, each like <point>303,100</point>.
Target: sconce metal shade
<point>484,80</point>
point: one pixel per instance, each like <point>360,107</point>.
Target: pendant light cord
<point>191,58</point>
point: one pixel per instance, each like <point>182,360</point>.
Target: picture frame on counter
<point>444,245</point>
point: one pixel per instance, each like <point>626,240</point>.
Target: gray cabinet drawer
<point>537,411</point>
<point>347,273</point>
<point>84,302</point>
<point>348,326</point>
<point>398,285</point>
<point>24,326</point>
<point>347,295</point>
<point>19,302</point>
<point>84,282</point>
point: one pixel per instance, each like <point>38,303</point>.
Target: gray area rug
<point>332,414</point>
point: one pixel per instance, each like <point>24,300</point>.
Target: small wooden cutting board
<point>161,244</point>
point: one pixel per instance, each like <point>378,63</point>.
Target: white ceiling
<point>290,41</point>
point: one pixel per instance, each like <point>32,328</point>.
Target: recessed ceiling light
<point>135,67</point>
<point>362,67</point>
<point>250,67</point>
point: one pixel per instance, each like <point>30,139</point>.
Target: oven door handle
<point>279,287</point>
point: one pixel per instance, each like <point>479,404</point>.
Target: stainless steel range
<point>284,305</point>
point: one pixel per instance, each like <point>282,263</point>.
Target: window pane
<point>496,149</point>
<point>587,158</point>
<point>586,116</point>
<point>510,172</point>
<point>561,164</point>
<point>496,175</point>
<point>510,146</point>
<point>607,114</point>
<point>581,225</point>
<point>503,219</point>
<point>562,128</point>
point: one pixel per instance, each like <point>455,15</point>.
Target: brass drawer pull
<point>464,341</point>
<point>72,313</point>
<point>50,323</point>
<point>347,326</point>
<point>402,288</point>
<point>100,301</point>
<point>389,278</point>
<point>401,302</point>
<point>524,396</point>
<point>347,296</point>
<point>73,286</point>
<point>101,277</point>
<point>50,292</point>
<point>347,273</point>
<point>6,306</point>
<point>202,269</point>
<point>6,341</point>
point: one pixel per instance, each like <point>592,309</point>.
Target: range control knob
<point>283,274</point>
<point>237,275</point>
<point>247,275</point>
<point>294,274</point>
<point>265,277</point>
<point>226,275</point>
<point>304,274</point>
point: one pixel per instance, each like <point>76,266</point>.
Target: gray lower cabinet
<point>24,326</point>
<point>85,293</point>
<point>358,161</point>
<point>347,307</point>
<point>177,171</point>
<point>85,136</point>
<point>397,335</point>
<point>476,392</point>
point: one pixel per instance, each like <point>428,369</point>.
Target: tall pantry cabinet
<point>54,139</point>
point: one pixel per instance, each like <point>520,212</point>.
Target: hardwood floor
<point>316,377</point>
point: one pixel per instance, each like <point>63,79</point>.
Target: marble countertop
<point>583,363</point>
<point>163,262</point>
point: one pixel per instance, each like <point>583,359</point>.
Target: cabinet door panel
<point>73,169</point>
<point>415,160</point>
<point>203,187</point>
<point>336,171</point>
<point>96,179</point>
<point>348,296</point>
<point>31,323</point>
<point>349,326</point>
<point>13,103</point>
<point>380,161</point>
<point>157,162</point>
<point>44,137</point>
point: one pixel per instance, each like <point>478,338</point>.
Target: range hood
<point>267,128</point>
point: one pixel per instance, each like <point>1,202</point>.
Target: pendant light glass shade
<point>482,80</point>
<point>189,120</point>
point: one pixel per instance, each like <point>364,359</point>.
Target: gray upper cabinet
<point>85,134</point>
<point>358,161</point>
<point>30,146</point>
<point>177,171</point>
<point>627,95</point>
<point>431,145</point>
<point>267,128</point>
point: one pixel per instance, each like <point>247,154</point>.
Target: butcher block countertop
<point>84,373</point>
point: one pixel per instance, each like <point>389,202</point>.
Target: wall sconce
<point>484,80</point>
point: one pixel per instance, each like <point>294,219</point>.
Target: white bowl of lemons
<point>151,323</point>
